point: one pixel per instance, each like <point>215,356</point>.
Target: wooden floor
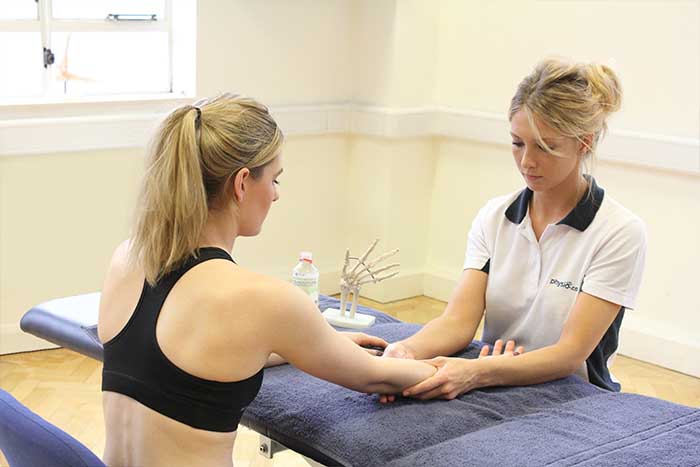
<point>64,387</point>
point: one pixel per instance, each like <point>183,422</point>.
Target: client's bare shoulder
<point>265,299</point>
<point>249,288</point>
<point>120,293</point>
<point>238,309</point>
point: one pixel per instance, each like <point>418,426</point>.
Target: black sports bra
<point>134,365</point>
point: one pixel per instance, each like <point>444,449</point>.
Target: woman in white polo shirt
<point>553,266</point>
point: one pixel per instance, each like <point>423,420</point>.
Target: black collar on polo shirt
<point>579,218</point>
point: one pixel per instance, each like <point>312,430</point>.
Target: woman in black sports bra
<point>186,331</point>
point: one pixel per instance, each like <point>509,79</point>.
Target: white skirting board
<point>14,340</point>
<point>655,342</point>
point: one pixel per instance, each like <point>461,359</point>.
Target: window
<point>56,49</point>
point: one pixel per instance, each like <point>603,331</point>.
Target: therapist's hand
<point>498,349</point>
<point>365,340</point>
<point>455,376</point>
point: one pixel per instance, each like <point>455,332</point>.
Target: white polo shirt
<point>598,248</point>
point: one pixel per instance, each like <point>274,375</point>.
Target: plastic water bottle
<point>305,275</point>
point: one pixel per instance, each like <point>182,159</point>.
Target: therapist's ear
<point>239,181</point>
<point>585,144</point>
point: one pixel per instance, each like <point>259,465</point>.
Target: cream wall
<point>415,193</point>
<point>390,184</point>
<point>309,214</point>
<point>393,45</point>
<point>467,175</point>
<point>278,51</point>
<point>61,215</point>
<point>485,48</point>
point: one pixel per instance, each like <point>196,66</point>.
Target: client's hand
<point>395,350</point>
<point>455,376</point>
<point>365,340</point>
<point>399,350</point>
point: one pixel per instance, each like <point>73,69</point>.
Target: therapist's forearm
<point>539,366</point>
<point>444,335</point>
<point>454,329</point>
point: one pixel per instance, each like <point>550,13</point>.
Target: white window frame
<point>68,123</point>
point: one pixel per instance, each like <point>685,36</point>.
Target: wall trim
<point>621,146</point>
<point>20,134</point>
<point>55,135</point>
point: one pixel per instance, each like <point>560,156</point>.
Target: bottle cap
<point>306,256</point>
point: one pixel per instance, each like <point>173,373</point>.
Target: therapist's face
<point>255,195</point>
<point>541,170</point>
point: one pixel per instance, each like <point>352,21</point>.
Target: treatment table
<point>561,423</point>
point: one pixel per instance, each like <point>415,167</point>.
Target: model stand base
<point>360,321</point>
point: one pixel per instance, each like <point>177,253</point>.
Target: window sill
<point>27,108</point>
<point>79,124</point>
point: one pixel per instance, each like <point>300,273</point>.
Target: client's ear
<point>239,183</point>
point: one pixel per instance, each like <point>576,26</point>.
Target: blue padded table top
<point>70,322</point>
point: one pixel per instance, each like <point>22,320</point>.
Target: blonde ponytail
<point>195,151</point>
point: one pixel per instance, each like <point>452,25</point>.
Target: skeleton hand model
<point>364,271</point>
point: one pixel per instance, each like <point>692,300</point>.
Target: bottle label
<point>304,282</point>
<point>308,284</point>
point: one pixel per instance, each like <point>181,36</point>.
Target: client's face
<point>261,193</point>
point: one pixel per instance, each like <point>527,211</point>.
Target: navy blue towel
<point>563,422</point>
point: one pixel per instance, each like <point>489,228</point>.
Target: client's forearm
<point>395,374</point>
<point>539,366</point>
<point>442,336</point>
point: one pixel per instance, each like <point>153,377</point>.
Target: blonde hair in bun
<point>573,98</point>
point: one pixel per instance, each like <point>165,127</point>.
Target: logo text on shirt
<point>564,285</point>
